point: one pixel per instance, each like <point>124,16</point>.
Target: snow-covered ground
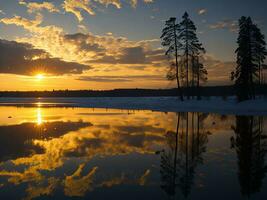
<point>165,104</point>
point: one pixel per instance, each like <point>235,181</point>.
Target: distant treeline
<point>207,91</point>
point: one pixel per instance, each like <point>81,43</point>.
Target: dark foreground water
<point>81,153</point>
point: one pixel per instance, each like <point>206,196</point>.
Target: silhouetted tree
<point>200,74</point>
<point>250,54</point>
<point>184,51</point>
<point>251,146</point>
<point>259,48</point>
<point>170,40</point>
<point>190,47</point>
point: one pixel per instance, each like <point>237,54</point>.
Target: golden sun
<point>39,77</point>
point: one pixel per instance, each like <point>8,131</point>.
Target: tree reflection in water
<point>250,144</point>
<point>183,153</point>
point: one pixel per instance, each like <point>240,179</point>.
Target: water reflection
<point>250,144</point>
<point>18,140</point>
<point>184,153</point>
<point>39,116</point>
<point>80,153</point>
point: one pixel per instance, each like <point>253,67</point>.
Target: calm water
<point>81,153</point>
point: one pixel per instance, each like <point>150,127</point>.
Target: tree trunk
<point>198,77</point>
<point>259,73</point>
<point>187,63</point>
<point>176,67</point>
<point>187,72</point>
<point>192,76</point>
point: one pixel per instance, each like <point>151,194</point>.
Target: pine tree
<point>200,73</point>
<point>190,46</point>
<point>259,48</point>
<point>170,40</point>
<point>250,54</point>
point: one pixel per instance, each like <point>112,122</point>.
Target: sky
<point>107,44</point>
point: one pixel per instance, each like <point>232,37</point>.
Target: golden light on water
<point>39,120</point>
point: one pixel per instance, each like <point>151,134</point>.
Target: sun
<point>39,77</point>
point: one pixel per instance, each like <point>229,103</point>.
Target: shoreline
<point>160,104</point>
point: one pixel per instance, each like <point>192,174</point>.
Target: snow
<point>164,104</point>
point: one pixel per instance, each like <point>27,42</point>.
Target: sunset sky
<point>106,44</point>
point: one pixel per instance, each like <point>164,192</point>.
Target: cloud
<point>2,12</point>
<point>218,71</point>
<point>26,23</point>
<point>37,172</point>
<point>29,60</point>
<point>96,50</point>
<point>120,78</point>
<point>148,1</point>
<point>108,54</point>
<point>202,11</point>
<point>82,28</point>
<point>109,49</point>
<point>143,178</point>
<point>133,3</point>
<point>77,185</point>
<point>29,131</point>
<point>34,6</point>
<point>230,25</point>
<point>129,55</point>
<point>76,7</point>
<point>37,190</point>
<point>116,3</point>
<point>83,42</point>
<point>83,47</point>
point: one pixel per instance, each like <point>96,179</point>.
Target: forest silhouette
<point>185,54</point>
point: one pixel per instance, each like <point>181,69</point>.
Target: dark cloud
<point>231,25</point>
<point>129,55</point>
<point>218,71</point>
<point>139,129</point>
<point>139,139</point>
<point>103,48</point>
<point>120,78</point>
<point>21,58</point>
<point>141,68</point>
<point>133,55</point>
<point>103,79</point>
<point>138,55</point>
<point>83,42</point>
<point>19,137</point>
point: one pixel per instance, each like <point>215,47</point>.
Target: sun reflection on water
<point>67,150</point>
<point>39,120</point>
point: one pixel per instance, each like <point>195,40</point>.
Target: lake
<point>85,153</point>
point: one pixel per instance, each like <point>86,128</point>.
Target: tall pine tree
<point>199,72</point>
<point>185,52</point>
<point>190,48</point>
<point>250,54</point>
<point>259,48</point>
<point>170,40</point>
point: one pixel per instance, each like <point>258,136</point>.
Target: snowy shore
<point>164,104</point>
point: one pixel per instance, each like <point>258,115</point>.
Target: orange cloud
<point>34,6</point>
<point>75,7</point>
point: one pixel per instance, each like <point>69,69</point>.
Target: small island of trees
<point>185,53</point>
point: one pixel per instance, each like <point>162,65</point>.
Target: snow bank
<point>165,104</point>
